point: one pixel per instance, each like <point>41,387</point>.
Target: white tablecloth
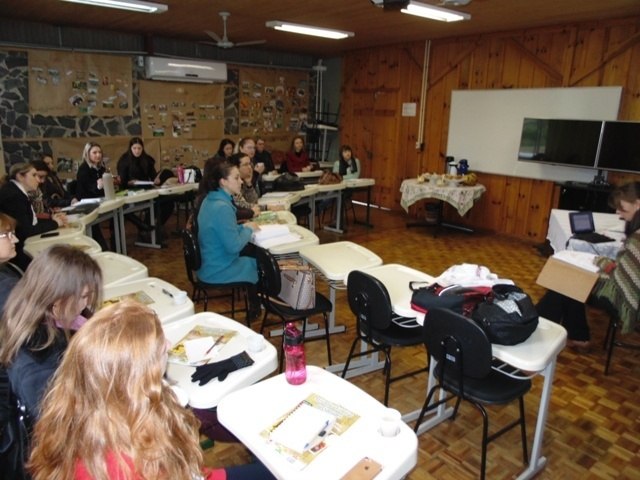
<point>461,198</point>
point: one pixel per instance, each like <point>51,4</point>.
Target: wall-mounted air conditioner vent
<point>184,70</point>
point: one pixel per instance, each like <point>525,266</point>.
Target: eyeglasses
<point>9,234</point>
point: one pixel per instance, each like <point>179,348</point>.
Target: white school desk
<point>78,240</point>
<point>162,302</point>
<point>283,199</point>
<point>136,201</point>
<point>288,249</point>
<point>118,268</point>
<point>177,188</point>
<point>328,192</point>
<point>609,224</point>
<point>60,233</point>
<point>362,184</point>
<point>110,210</point>
<point>210,394</point>
<point>334,261</point>
<point>308,197</point>
<point>536,354</point>
<point>251,410</point>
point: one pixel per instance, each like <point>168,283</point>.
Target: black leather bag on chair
<point>14,433</point>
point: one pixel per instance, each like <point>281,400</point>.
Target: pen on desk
<point>167,292</point>
<point>218,340</point>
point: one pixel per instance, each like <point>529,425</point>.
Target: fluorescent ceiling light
<point>132,5</point>
<point>434,13</point>
<point>308,30</point>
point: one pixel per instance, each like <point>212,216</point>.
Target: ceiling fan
<point>224,42</point>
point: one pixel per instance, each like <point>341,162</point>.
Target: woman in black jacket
<point>14,201</point>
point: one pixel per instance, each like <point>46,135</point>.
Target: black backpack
<point>14,433</point>
<point>287,182</point>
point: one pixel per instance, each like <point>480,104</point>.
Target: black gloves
<point>205,373</point>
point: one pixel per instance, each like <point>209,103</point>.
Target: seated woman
<point>109,414</point>
<point>617,287</point>
<point>89,183</point>
<point>54,190</point>
<point>225,150</point>
<point>137,165</point>
<point>42,311</point>
<point>8,277</point>
<point>247,201</point>
<point>220,237</point>
<point>348,166</point>
<point>296,159</point>
<point>14,201</point>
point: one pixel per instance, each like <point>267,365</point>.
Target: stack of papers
<point>303,428</point>
<point>583,260</point>
<point>271,235</point>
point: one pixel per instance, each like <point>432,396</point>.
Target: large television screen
<point>560,142</point>
<point>620,147</point>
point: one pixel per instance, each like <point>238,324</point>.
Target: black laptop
<point>582,228</point>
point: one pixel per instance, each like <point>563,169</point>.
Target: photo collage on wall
<point>181,110</point>
<point>79,84</point>
<point>273,102</point>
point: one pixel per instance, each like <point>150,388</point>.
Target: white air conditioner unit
<point>184,70</point>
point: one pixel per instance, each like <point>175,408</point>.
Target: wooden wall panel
<point>591,54</point>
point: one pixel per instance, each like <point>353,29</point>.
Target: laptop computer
<point>583,228</point>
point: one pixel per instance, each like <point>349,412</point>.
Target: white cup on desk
<point>255,343</point>
<point>179,297</point>
<point>390,422</point>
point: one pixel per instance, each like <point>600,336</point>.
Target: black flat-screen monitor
<point>571,143</point>
<point>620,147</point>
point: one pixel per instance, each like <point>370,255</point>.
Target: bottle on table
<point>107,185</point>
<point>294,357</point>
<point>180,174</point>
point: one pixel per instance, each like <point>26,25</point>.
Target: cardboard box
<point>567,279</point>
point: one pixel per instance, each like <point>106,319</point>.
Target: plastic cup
<point>390,422</point>
<point>180,297</point>
<point>255,343</point>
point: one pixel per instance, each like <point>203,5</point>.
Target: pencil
<point>218,340</point>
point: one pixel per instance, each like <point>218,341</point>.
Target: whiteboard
<point>485,126</point>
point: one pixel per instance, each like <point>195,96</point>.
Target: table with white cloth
<point>609,224</point>
<point>209,395</point>
<point>156,293</point>
<point>117,268</point>
<point>251,410</point>
<point>460,197</point>
<point>334,261</point>
<point>536,354</point>
<point>77,240</point>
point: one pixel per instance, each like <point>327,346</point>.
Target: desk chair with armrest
<point>193,262</point>
<point>269,286</point>
<point>378,326</point>
<point>610,341</point>
<point>463,355</point>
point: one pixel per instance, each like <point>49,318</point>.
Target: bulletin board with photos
<point>273,103</point>
<point>63,83</point>
<point>181,110</point>
<point>176,151</point>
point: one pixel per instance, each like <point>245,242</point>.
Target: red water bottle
<point>180,174</point>
<point>295,363</point>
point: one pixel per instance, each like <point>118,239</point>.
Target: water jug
<point>295,363</point>
<point>463,167</point>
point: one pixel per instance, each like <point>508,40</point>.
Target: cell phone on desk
<point>49,234</point>
<point>365,469</point>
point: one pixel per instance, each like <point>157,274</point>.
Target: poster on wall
<point>63,83</point>
<point>175,151</point>
<point>181,110</point>
<point>273,102</point>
